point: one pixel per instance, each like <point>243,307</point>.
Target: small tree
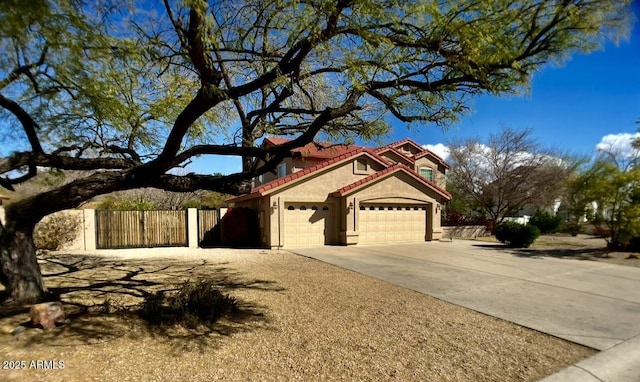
<point>612,186</point>
<point>545,221</point>
<point>508,171</point>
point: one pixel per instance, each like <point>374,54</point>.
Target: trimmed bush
<point>546,221</point>
<point>516,235</point>
<point>55,231</point>
<point>191,305</point>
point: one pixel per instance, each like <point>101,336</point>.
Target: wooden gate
<point>139,229</point>
<point>208,229</point>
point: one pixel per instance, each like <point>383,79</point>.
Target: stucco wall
<point>464,231</point>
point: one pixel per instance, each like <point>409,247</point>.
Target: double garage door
<point>392,223</point>
<point>312,224</point>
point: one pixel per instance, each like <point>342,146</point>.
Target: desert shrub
<point>55,231</point>
<point>573,228</point>
<point>138,203</point>
<point>516,235</point>
<point>546,221</point>
<point>190,305</point>
<point>601,231</point>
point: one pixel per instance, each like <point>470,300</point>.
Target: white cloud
<point>439,149</point>
<point>618,144</point>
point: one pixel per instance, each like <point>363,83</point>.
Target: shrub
<point>516,235</point>
<point>601,232</point>
<point>573,228</point>
<point>545,221</point>
<point>192,304</point>
<point>55,231</point>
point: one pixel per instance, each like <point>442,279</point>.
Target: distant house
<point>345,195</point>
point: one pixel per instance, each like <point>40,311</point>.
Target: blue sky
<point>572,106</point>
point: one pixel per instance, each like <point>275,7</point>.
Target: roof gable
<point>308,172</point>
<point>407,141</point>
<point>387,149</point>
<point>429,153</point>
<point>398,167</point>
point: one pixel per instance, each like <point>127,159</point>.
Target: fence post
<point>192,227</point>
<point>89,227</point>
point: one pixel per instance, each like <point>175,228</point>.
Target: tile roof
<point>261,190</point>
<point>406,140</point>
<point>322,150</point>
<point>388,171</point>
<point>389,148</point>
<point>424,152</point>
<point>337,153</point>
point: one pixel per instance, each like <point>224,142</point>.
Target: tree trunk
<point>20,273</point>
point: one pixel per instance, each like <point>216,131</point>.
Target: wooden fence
<point>208,230</point>
<point>139,229</point>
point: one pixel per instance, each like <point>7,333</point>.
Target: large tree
<point>131,94</point>
<point>509,171</point>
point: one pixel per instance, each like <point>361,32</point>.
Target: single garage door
<point>385,223</point>
<point>305,224</point>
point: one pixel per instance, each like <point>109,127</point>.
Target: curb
<point>620,363</point>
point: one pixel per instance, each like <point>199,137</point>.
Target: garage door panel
<point>392,224</point>
<point>305,224</point>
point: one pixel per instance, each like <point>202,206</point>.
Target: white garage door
<point>385,223</point>
<point>305,224</point>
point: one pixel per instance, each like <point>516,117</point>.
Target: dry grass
<point>581,247</point>
<point>299,319</point>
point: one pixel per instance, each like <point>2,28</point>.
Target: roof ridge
<point>286,179</point>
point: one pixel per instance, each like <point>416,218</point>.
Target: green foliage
<point>546,221</point>
<point>54,231</point>
<point>191,305</point>
<point>573,227</point>
<point>516,235</point>
<point>138,203</point>
<point>616,192</point>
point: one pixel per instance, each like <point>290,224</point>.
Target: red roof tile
<point>260,190</point>
<point>389,148</point>
<point>322,150</point>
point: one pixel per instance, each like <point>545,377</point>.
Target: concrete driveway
<point>590,303</point>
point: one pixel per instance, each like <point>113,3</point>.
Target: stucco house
<point>346,195</point>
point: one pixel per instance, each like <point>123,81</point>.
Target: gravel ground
<point>300,319</point>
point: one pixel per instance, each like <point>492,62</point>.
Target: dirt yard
<point>581,247</point>
<point>299,319</point>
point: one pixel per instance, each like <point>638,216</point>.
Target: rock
<point>47,314</point>
<point>17,331</point>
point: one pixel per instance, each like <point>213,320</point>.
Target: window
<point>282,170</point>
<point>426,173</point>
<point>291,208</point>
<point>314,208</point>
<point>303,208</point>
